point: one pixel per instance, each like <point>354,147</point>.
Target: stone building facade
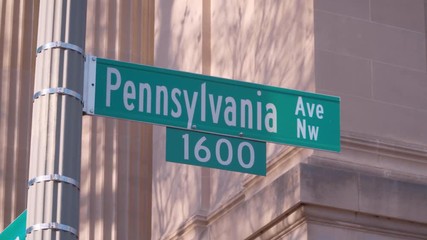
<point>370,53</point>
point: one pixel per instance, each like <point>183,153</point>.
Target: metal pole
<point>54,171</point>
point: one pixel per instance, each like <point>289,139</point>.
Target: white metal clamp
<point>54,177</point>
<point>58,90</point>
<point>53,226</point>
<point>62,45</point>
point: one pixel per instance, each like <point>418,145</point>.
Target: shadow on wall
<point>178,45</point>
<point>178,35</point>
<point>245,220</point>
<point>281,198</point>
<point>176,190</point>
<point>18,30</point>
<point>268,42</point>
<point>114,154</point>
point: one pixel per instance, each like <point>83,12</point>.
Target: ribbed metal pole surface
<point>54,170</point>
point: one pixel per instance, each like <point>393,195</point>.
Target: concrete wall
<point>116,155</point>
<point>176,188</point>
<point>17,51</point>
<point>371,53</point>
<point>266,42</point>
<point>115,197</point>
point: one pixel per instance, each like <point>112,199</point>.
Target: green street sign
<point>215,151</point>
<point>15,230</point>
<point>211,104</point>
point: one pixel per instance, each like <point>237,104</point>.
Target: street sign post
<point>15,230</point>
<point>215,151</point>
<point>211,104</point>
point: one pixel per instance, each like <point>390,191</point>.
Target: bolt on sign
<point>211,104</point>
